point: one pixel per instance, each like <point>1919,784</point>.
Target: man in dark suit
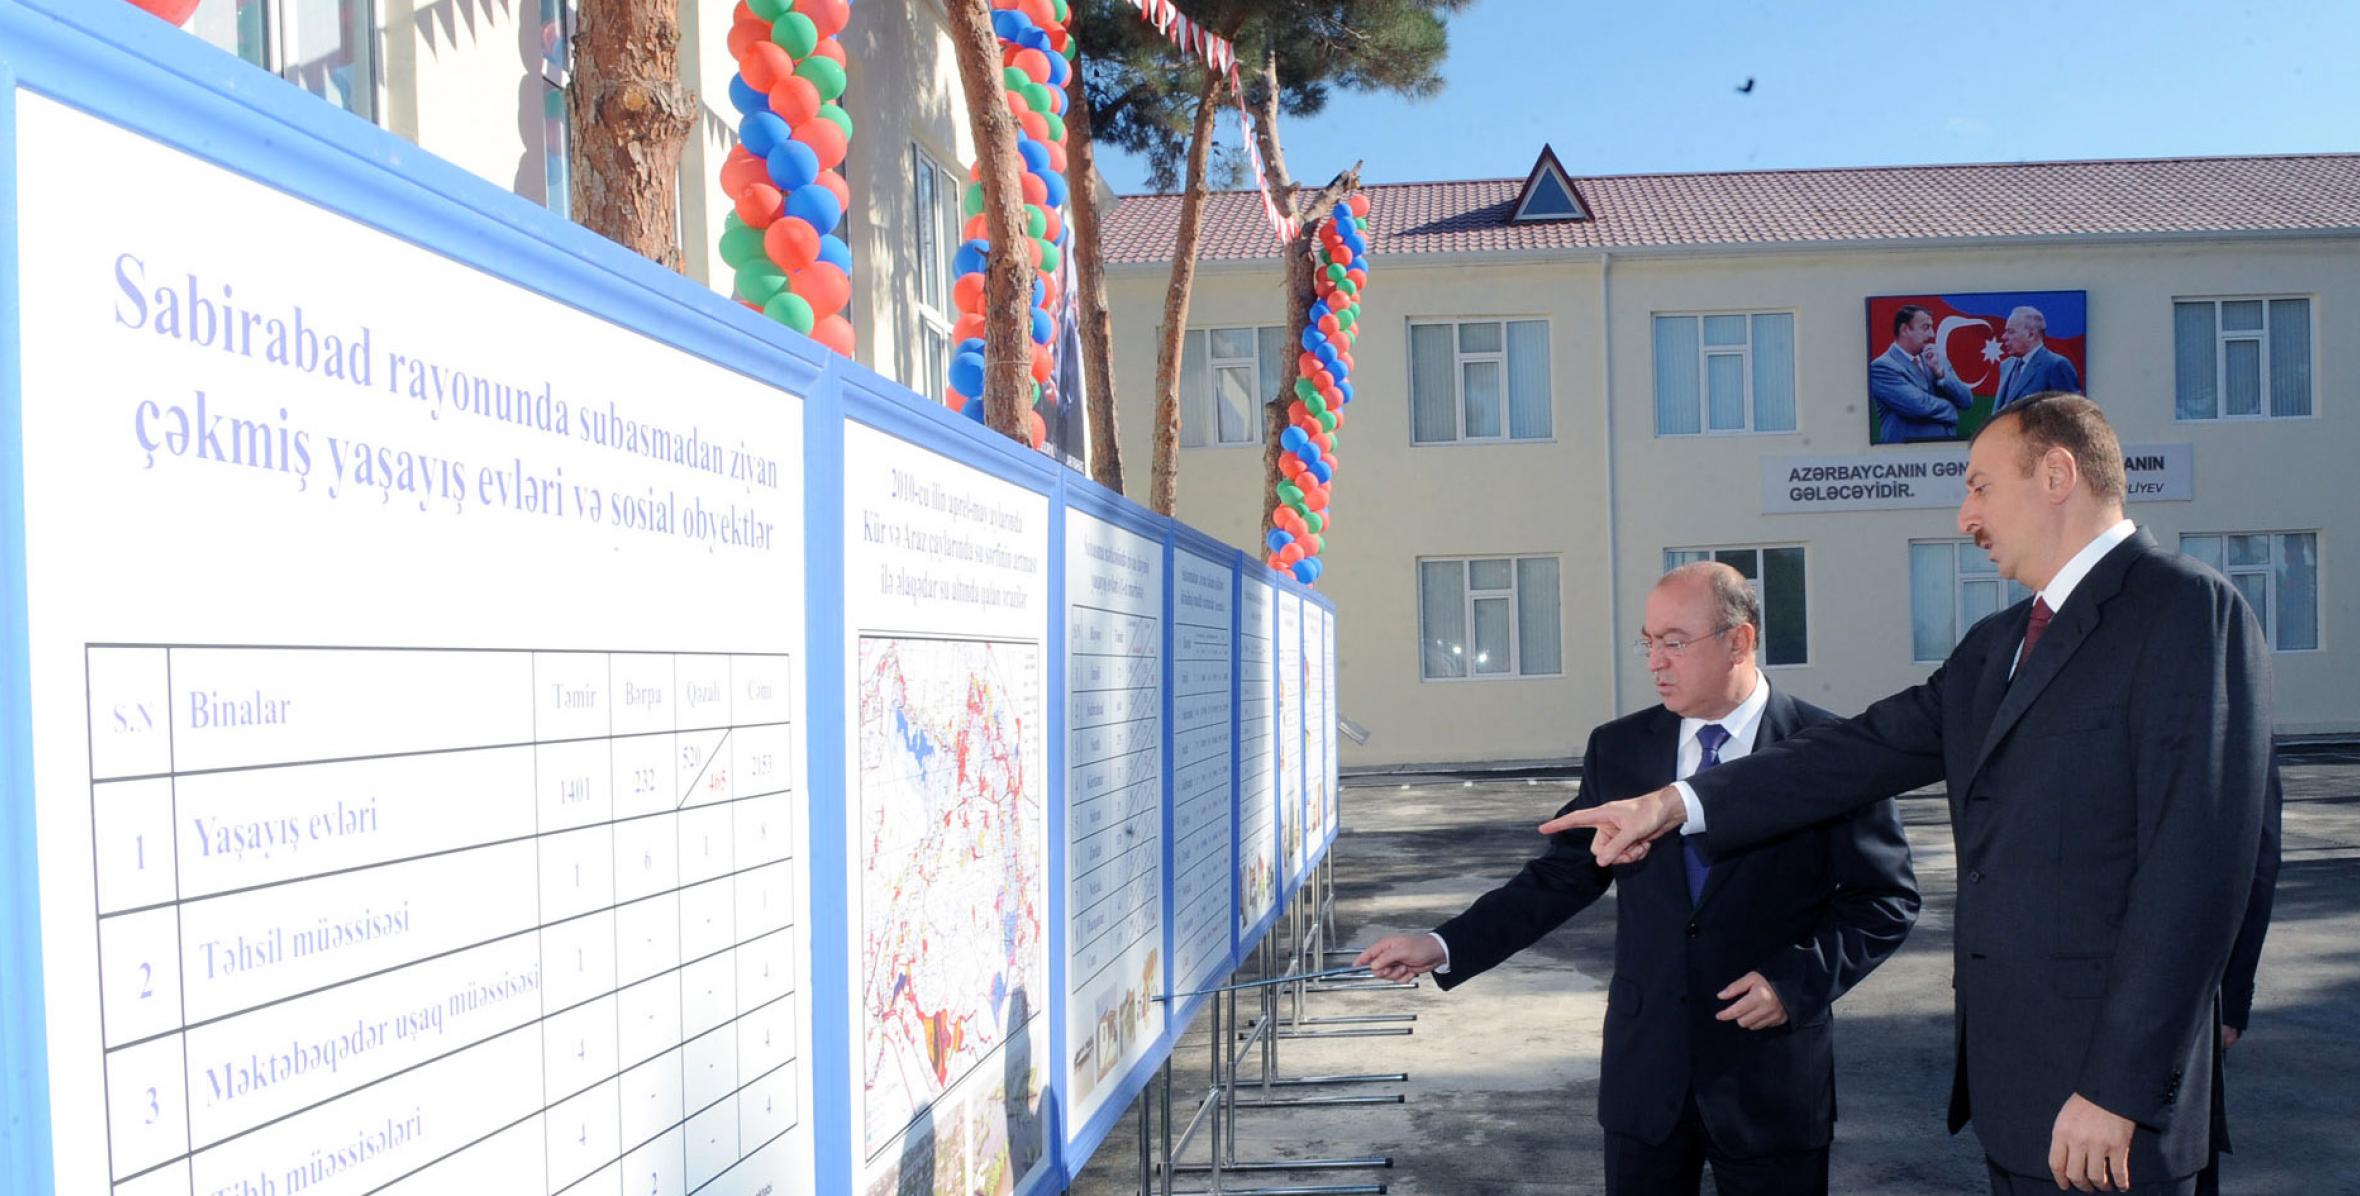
<point>1910,386</point>
<point>2107,748</point>
<point>2030,366</point>
<point>1719,1042</point>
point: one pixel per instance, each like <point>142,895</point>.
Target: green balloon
<point>768,10</point>
<point>1289,493</point>
<point>971,203</point>
<point>1316,521</point>
<point>1036,394</point>
<point>1059,9</point>
<point>741,246</point>
<point>1014,79</point>
<point>1049,255</point>
<point>1055,122</point>
<point>1319,542</point>
<point>795,34</point>
<point>1335,440</point>
<point>1036,95</point>
<point>1036,221</point>
<point>758,283</point>
<point>1335,273</point>
<point>1304,390</point>
<point>1347,286</point>
<point>1301,507</point>
<point>788,308</point>
<point>825,74</point>
<point>843,119</point>
<point>1327,421</point>
<point>1317,405</point>
<point>1347,317</point>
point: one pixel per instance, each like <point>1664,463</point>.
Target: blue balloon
<point>1034,38</point>
<point>833,250</point>
<point>1307,570</point>
<point>1320,470</point>
<point>792,165</point>
<point>761,132</point>
<point>974,409</point>
<point>1313,339</point>
<point>1278,538</point>
<point>1319,310</point>
<point>967,373</point>
<point>1359,261</point>
<point>1040,290</point>
<point>1059,72</point>
<point>1328,356</point>
<point>1011,25</point>
<point>1293,438</point>
<point>973,344</point>
<point>1343,393</point>
<point>1041,327</point>
<point>1035,155</point>
<point>815,205</point>
<point>971,258</point>
<point>1055,183</point>
<point>744,98</point>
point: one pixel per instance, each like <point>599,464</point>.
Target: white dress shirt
<point>2055,593</point>
<point>1742,724</point>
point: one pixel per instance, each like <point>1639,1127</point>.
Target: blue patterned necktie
<point>1710,737</point>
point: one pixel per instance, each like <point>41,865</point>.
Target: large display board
<point>1291,762</point>
<point>1114,793</point>
<point>442,797</point>
<point>1258,756</point>
<point>1329,725</point>
<point>1318,750</point>
<point>1204,752</point>
<point>946,570</point>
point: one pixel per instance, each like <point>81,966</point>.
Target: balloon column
<point>1036,58</point>
<point>783,175</point>
<point>1323,388</point>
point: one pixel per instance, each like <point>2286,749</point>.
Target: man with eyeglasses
<point>1719,1041</point>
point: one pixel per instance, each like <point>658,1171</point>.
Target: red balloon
<point>1057,157</point>
<point>823,285</point>
<point>835,332</point>
<point>743,36</point>
<point>1328,324</point>
<point>976,229</point>
<point>968,328</point>
<point>740,171</point>
<point>1058,39</point>
<point>1034,127</point>
<point>792,244</point>
<point>967,293</point>
<point>954,400</point>
<point>826,139</point>
<point>829,15</point>
<point>1036,428</point>
<point>834,182</point>
<point>1055,231</point>
<point>760,204</point>
<point>1044,363</point>
<point>795,99</point>
<point>1358,204</point>
<point>1359,277</point>
<point>1036,192</point>
<point>1305,363</point>
<point>1050,292</point>
<point>828,48</point>
<point>1033,63</point>
<point>174,12</point>
<point>1290,465</point>
<point>749,305</point>
<point>1339,414</point>
<point>764,64</point>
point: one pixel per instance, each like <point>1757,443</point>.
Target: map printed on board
<point>1114,642</point>
<point>1202,739</point>
<point>1291,763</point>
<point>434,815</point>
<point>1257,739</point>
<point>947,601</point>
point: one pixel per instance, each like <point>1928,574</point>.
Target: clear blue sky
<point>1648,86</point>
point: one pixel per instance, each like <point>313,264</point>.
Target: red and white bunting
<point>1220,57</point>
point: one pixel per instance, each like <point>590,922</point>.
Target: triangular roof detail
<point>1548,194</point>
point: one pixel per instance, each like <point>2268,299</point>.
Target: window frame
<point>1959,580</point>
<point>1469,595</point>
<point>1203,409</point>
<point>275,20</point>
<point>1704,355</point>
<point>2269,575</point>
<point>926,319</point>
<point>1692,553</point>
<point>1458,378</point>
<point>2261,338</point>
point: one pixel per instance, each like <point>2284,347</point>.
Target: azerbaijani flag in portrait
<point>1971,336</point>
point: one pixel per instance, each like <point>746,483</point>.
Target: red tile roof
<point>1771,207</point>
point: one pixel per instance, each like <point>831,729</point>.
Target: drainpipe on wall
<point>1613,505</point>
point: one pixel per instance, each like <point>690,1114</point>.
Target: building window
<point>934,217</point>
<point>1489,617</point>
<point>325,47</point>
<point>1952,586</point>
<point>1480,380</point>
<point>1226,375</point>
<point>1732,372</point>
<point>2278,572</point>
<point>557,131</point>
<point>2242,358</point>
<point>1776,575</point>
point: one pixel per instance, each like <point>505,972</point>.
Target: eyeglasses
<point>1644,647</point>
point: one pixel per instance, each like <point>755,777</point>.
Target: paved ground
<point>1503,1088</point>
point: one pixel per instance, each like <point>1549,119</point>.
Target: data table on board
<point>336,921</point>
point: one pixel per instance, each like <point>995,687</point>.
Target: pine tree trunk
<point>631,119</point>
<point>1163,490</point>
<point>1089,281</point>
<point>1008,279</point>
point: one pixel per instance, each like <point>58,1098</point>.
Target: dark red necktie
<point>2040,623</point>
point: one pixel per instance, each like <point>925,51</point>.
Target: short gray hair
<point>2038,323</point>
<point>1734,603</point>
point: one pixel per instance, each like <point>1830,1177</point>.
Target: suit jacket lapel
<point>1662,753</point>
<point>2009,371</point>
<point>2068,628</point>
<point>1778,721</point>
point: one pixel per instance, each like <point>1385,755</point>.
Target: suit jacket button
<point>1975,877</point>
<point>1692,930</point>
